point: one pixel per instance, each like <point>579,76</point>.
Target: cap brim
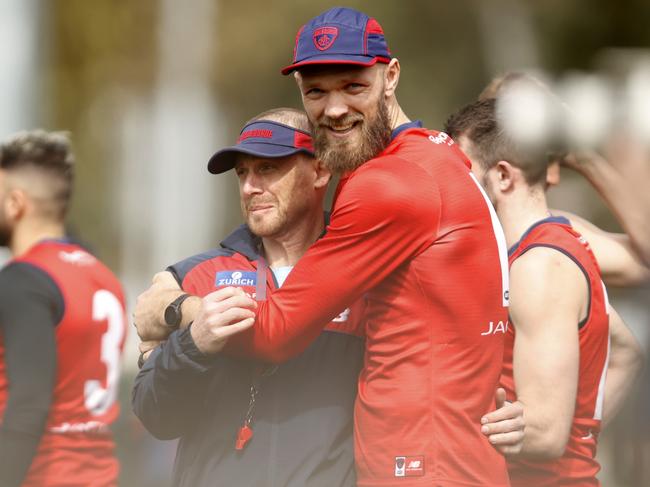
<point>225,159</point>
<point>336,59</point>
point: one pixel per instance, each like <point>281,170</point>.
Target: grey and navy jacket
<point>301,416</point>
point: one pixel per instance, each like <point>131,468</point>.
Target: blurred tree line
<point>94,50</point>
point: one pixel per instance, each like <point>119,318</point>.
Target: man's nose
<point>336,106</point>
<point>251,185</point>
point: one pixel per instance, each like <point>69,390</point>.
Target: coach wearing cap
<point>241,422</point>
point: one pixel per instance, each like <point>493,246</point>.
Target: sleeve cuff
<point>189,349</point>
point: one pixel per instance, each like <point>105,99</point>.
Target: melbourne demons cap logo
<point>324,37</point>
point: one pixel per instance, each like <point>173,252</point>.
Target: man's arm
<point>30,308</point>
<point>379,223</point>
<point>149,313</point>
<point>619,261</point>
<point>625,363</point>
<point>549,296</point>
<point>168,389</point>
<point>623,185</point>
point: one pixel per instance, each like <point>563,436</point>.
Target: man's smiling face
<point>347,107</point>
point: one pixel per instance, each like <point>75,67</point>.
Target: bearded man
<point>413,232</point>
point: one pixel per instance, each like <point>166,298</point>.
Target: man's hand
<point>149,314</point>
<point>223,313</point>
<point>505,426</point>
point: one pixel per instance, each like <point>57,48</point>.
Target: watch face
<point>172,315</point>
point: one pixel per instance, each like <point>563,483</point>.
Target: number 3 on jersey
<point>106,307</point>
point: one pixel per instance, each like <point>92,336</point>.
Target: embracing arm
<point>548,299</point>
<point>625,363</point>
<point>379,222</point>
<point>30,308</point>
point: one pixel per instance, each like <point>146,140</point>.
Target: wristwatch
<point>173,314</point>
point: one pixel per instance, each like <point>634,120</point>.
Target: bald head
<point>287,116</point>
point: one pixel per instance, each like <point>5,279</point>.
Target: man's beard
<point>338,156</point>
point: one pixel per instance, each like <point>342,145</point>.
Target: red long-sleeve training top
<point>413,231</point>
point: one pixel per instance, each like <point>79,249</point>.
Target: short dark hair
<point>47,152</point>
<point>490,144</point>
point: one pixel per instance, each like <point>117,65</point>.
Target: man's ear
<point>15,204</point>
<point>323,175</point>
<point>391,77</point>
<point>506,175</point>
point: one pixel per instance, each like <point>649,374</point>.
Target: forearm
<point>17,449</point>
<point>167,390</point>
<point>625,362</point>
<point>620,379</point>
<point>625,193</point>
<point>542,439</point>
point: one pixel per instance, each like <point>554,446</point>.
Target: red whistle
<point>243,435</point>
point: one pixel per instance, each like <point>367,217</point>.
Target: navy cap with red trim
<point>263,138</point>
<point>340,36</point>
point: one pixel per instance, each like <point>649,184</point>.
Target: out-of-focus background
<point>150,89</point>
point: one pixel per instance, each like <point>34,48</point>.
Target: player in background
<point>621,179</point>
<point>62,328</point>
<point>243,422</point>
<point>412,231</point>
<point>560,320</point>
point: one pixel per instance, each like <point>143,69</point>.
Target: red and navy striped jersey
<point>578,465</point>
<point>77,446</point>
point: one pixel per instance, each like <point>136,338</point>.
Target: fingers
<point>507,411</point>
<point>225,293</point>
<point>500,397</point>
<point>241,301</point>
<point>507,426</point>
<point>217,319</point>
<point>149,345</point>
<point>508,444</point>
<point>238,327</point>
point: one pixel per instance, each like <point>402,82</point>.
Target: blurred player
<point>412,231</point>
<point>62,329</point>
<point>621,179</point>
<point>242,422</point>
<point>559,311</point>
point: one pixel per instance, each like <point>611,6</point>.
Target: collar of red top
<point>405,126</point>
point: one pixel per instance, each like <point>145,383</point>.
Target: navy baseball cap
<point>263,138</point>
<point>340,36</point>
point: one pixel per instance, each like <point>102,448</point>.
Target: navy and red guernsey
<point>413,231</point>
<point>76,447</point>
<point>578,465</point>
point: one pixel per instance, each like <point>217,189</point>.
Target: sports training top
<point>83,304</point>
<point>412,230</point>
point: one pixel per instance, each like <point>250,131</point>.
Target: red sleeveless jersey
<point>76,448</point>
<point>578,465</point>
